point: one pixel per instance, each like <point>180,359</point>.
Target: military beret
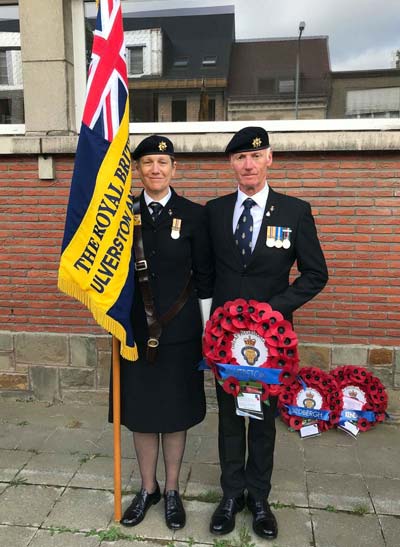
<point>248,139</point>
<point>155,144</point>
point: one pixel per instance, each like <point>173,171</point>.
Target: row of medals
<point>278,237</point>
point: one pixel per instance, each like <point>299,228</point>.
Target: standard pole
<point>117,428</point>
<point>296,108</point>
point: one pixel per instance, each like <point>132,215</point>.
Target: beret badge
<point>162,146</point>
<point>257,142</point>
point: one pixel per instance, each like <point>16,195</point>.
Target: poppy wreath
<point>253,335</point>
<point>364,396</point>
<point>311,395</point>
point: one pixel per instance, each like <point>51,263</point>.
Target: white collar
<point>260,197</point>
<point>162,201</point>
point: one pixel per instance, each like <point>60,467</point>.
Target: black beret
<point>248,139</point>
<point>155,144</point>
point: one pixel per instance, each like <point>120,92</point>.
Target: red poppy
<point>231,385</point>
<point>274,389</point>
<point>363,424</point>
<point>295,423</point>
<point>238,307</point>
<point>287,377</point>
<point>265,391</point>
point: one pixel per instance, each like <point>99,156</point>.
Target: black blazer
<point>266,277</point>
<point>170,262</point>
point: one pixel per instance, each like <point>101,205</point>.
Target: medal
<point>278,237</point>
<point>270,241</point>
<point>286,238</point>
<point>137,219</point>
<point>176,228</point>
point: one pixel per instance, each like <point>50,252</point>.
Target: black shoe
<point>223,519</point>
<point>264,521</point>
<point>139,506</point>
<point>175,516</point>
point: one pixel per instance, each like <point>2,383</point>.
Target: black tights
<point>147,446</point>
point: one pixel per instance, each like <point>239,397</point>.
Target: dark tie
<point>244,230</point>
<point>156,209</point>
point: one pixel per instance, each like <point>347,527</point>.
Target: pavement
<point>56,485</point>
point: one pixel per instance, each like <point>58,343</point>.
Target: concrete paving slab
<point>137,543</point>
<point>385,494</point>
<point>49,468</point>
<point>383,435</point>
<point>16,536</point>
<point>44,538</point>
<point>289,455</point>
<point>289,487</point>
<point>3,486</point>
<point>344,530</point>
<point>98,473</point>
<point>203,478</point>
<point>193,443</point>
<point>209,426</point>
<point>332,438</point>
<point>384,464</point>
<point>27,505</point>
<point>294,529</point>
<point>82,509</point>
<point>105,444</point>
<point>391,530</point>
<point>208,450</point>
<point>342,492</point>
<point>153,527</point>
<point>23,438</point>
<point>11,462</point>
<point>319,459</point>
<point>70,441</point>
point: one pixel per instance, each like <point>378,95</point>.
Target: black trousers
<point>238,475</point>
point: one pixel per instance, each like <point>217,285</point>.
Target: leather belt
<point>154,323</point>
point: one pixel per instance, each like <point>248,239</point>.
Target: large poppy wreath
<point>311,395</point>
<point>363,394</point>
<point>254,337</point>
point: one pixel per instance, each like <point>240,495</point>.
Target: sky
<point>363,34</point>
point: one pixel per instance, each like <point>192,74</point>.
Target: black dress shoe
<point>175,516</point>
<point>264,521</point>
<point>223,519</point>
<point>139,506</point>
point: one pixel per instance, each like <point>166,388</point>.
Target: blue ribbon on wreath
<point>246,374</point>
<point>348,415</point>
<point>308,413</point>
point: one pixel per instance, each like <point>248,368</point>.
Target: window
<point>135,60</point>
<point>286,86</point>
<point>384,102</point>
<point>3,68</point>
<point>181,61</point>
<point>211,109</point>
<point>209,60</point>
<point>178,110</point>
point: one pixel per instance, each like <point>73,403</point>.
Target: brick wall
<point>355,200</point>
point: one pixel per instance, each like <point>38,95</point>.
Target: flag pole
<point>117,428</point>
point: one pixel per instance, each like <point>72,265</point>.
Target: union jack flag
<point>96,265</point>
<point>107,87</point>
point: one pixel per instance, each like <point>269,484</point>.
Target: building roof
<point>257,61</point>
<point>192,39</point>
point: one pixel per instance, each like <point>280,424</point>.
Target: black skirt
<point>164,396</point>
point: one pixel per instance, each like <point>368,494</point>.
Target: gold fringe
<point>100,316</point>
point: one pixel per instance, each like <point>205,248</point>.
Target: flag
<point>96,266</point>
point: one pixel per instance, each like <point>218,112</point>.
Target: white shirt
<point>162,201</point>
<point>257,211</point>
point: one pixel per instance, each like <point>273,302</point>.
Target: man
<point>257,236</point>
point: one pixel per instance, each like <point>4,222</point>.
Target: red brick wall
<point>355,200</point>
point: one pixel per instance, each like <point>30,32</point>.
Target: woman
<point>162,394</point>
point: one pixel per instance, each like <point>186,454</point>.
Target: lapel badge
<point>286,238</point>
<point>270,241</point>
<point>176,228</point>
<point>270,210</point>
<point>170,212</point>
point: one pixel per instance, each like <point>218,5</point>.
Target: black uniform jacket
<point>170,263</point>
<point>266,277</point>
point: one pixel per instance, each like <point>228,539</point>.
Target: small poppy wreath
<point>361,392</point>
<point>308,396</point>
<point>252,334</point>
